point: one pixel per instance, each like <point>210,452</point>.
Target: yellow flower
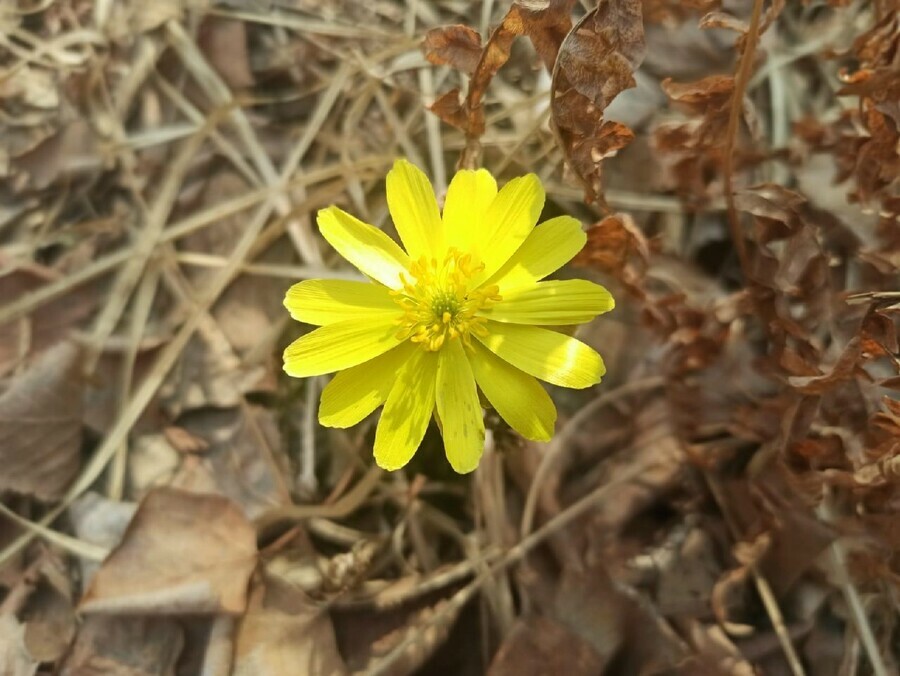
<point>460,309</point>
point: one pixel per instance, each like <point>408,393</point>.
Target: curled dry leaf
<point>40,425</point>
<point>469,114</point>
<point>691,150</point>
<point>545,22</point>
<point>457,46</point>
<point>617,247</point>
<point>596,62</point>
<point>182,553</point>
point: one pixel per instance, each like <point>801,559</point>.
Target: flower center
<point>438,304</point>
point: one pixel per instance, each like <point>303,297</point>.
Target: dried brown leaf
<point>125,646</point>
<point>688,574</point>
<point>224,43</point>
<point>608,245</point>
<point>845,368</point>
<point>49,614</point>
<point>618,247</point>
<point>546,23</point>
<point>182,553</point>
<point>451,109</point>
<point>457,46</point>
<point>596,62</point>
<point>15,660</point>
<point>100,521</point>
<point>540,645</point>
<point>283,632</point>
<point>494,55</point>
<point>719,19</point>
<point>711,92</point>
<point>40,425</point>
<point>48,324</point>
<point>243,459</point>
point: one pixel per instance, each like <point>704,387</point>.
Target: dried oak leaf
<point>182,553</point>
<point>40,425</point>
<point>457,46</point>
<point>596,62</point>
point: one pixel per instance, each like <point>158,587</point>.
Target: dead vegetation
<point>726,502</point>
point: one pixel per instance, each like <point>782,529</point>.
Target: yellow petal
<point>339,346</point>
<point>326,301</point>
<point>519,399</point>
<point>548,247</point>
<point>462,419</point>
<point>355,392</point>
<point>572,301</point>
<point>407,411</point>
<point>465,208</point>
<point>414,210</point>
<point>545,354</point>
<point>509,219</point>
<point>370,250</point>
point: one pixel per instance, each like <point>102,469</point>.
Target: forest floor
<point>726,501</point>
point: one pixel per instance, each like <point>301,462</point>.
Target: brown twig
<point>745,66</point>
<point>345,505</point>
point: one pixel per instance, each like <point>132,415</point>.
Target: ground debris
<point>726,501</point>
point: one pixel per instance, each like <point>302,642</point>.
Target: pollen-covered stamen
<point>438,304</point>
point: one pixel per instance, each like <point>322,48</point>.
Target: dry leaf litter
<point>726,502</point>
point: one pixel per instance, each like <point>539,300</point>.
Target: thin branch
<point>745,67</point>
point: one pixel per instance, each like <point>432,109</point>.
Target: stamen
<point>438,304</point>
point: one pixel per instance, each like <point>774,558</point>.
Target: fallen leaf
<point>243,460</point>
<point>100,521</point>
<point>450,108</point>
<point>283,632</point>
<point>616,246</point>
<point>40,425</point>
<point>49,615</point>
<point>540,645</point>
<point>125,646</point>
<point>45,326</point>
<point>456,46</point>
<point>596,62</point>
<point>546,23</point>
<point>688,576</point>
<point>15,659</point>
<point>224,42</point>
<point>181,553</point>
